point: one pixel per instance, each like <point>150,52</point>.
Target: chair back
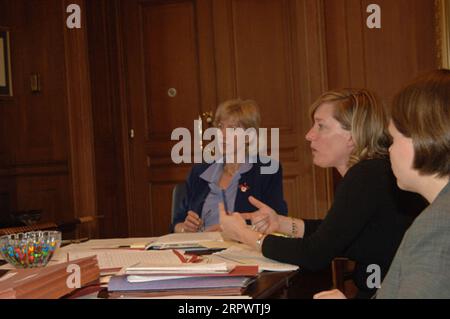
<point>178,193</point>
<point>342,269</point>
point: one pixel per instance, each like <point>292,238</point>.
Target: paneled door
<point>181,58</point>
<point>169,63</point>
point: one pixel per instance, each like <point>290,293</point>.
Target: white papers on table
<point>148,278</point>
<point>118,258</point>
<point>148,262</point>
<point>243,254</point>
<point>178,240</point>
<point>140,242</point>
<point>204,267</point>
<point>217,244</point>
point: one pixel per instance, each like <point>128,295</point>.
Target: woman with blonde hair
<point>420,156</point>
<point>364,223</point>
<point>207,184</point>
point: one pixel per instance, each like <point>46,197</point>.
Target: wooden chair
<point>342,270</point>
<point>178,193</point>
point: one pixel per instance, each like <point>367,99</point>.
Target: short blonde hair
<point>244,112</point>
<point>421,111</point>
<point>360,112</point>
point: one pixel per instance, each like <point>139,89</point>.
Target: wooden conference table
<point>299,284</point>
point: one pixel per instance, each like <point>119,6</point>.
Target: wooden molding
<point>82,162</point>
<point>36,169</point>
<point>443,32</point>
<point>124,114</point>
<point>110,119</point>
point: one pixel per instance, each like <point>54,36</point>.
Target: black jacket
<point>365,223</point>
<point>265,187</point>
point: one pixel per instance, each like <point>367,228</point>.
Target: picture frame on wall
<point>447,34</point>
<point>444,32</point>
<point>6,89</point>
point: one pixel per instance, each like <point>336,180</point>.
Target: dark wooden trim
<point>124,111</point>
<point>81,144</point>
<point>36,169</point>
<point>109,118</point>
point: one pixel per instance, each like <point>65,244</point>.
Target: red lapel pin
<point>244,187</point>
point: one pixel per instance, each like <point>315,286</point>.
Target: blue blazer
<point>268,188</point>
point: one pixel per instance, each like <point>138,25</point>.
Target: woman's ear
<point>350,141</point>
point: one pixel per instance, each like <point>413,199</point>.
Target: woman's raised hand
<point>265,219</point>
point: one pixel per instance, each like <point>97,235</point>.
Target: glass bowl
<point>30,250</point>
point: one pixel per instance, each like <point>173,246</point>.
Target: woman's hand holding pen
<point>192,223</point>
<point>265,220</point>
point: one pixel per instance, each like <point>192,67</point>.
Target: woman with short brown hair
<point>420,157</point>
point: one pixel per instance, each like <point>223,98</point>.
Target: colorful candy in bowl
<point>30,250</point>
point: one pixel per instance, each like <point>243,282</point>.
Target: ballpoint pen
<point>225,202</point>
<point>202,228</point>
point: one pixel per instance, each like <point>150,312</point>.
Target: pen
<point>180,256</point>
<point>225,202</point>
<point>202,228</point>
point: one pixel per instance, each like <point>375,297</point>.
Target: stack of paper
<point>245,255</point>
<point>179,268</point>
<point>225,285</point>
<point>201,277</point>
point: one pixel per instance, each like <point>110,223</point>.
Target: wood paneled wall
<point>34,125</point>
<point>45,137</point>
<point>380,59</point>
